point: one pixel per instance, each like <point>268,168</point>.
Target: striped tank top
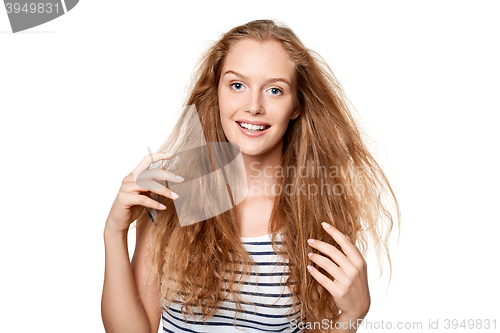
<point>266,299</point>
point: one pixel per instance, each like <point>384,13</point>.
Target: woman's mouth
<point>252,130</point>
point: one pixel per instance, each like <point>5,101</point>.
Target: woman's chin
<point>258,151</point>
<point>250,152</point>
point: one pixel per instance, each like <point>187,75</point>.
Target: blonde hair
<point>323,135</point>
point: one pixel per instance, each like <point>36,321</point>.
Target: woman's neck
<point>255,210</point>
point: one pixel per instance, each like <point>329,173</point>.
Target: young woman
<point>284,259</point>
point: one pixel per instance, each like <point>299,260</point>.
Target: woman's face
<point>257,90</point>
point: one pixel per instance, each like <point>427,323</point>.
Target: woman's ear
<point>296,111</point>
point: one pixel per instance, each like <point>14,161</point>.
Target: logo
<point>214,173</point>
<point>24,15</point>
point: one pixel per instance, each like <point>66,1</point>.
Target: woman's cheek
<point>227,129</point>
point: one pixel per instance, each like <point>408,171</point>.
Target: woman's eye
<point>239,86</point>
<point>276,91</point>
<point>236,85</point>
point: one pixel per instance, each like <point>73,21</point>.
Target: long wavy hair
<point>200,261</point>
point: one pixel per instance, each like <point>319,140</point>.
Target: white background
<point>83,96</point>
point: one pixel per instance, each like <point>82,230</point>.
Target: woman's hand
<point>134,193</point>
<point>350,285</point>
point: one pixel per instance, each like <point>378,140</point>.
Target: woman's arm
<point>150,298</point>
<point>121,307</point>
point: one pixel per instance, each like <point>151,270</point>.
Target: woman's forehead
<point>254,59</point>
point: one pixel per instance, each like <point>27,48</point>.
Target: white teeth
<point>252,127</point>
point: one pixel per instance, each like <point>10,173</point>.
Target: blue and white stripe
<point>265,288</point>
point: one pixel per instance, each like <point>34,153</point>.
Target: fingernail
<point>310,255</point>
<point>309,268</point>
<point>169,154</point>
<point>175,195</point>
<point>325,225</point>
<point>163,206</point>
<point>310,241</point>
<point>179,177</point>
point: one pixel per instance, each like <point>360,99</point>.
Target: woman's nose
<point>254,103</point>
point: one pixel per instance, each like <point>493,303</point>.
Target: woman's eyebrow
<point>274,79</point>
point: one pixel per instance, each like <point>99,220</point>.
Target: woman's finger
<point>335,271</point>
<point>148,160</point>
<point>155,178</point>
<point>141,200</point>
<point>338,257</point>
<point>329,285</point>
<point>351,251</point>
<point>150,185</point>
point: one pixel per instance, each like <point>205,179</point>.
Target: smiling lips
<point>252,129</point>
